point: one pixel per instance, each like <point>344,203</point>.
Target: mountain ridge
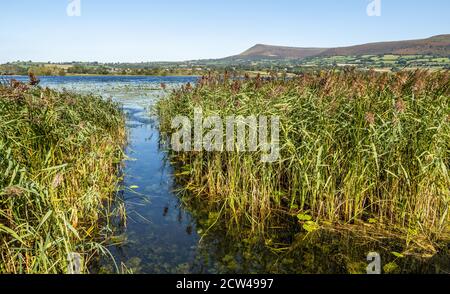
<point>438,45</point>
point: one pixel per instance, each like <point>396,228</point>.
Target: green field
<point>203,67</point>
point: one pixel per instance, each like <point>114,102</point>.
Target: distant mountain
<point>267,51</point>
<point>437,46</point>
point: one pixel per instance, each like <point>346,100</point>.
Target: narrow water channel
<point>162,235</point>
<point>159,236</point>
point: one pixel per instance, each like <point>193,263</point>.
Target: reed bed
<point>59,154</point>
<point>356,147</point>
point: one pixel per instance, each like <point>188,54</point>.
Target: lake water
<point>162,233</point>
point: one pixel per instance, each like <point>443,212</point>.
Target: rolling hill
<point>267,51</point>
<point>436,46</point>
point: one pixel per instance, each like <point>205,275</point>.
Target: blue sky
<point>150,30</point>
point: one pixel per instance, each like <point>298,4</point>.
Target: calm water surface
<point>162,235</point>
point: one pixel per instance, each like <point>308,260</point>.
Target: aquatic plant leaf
<point>134,187</point>
<point>390,267</point>
<point>303,217</point>
<point>310,226</point>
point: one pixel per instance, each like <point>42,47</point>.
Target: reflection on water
<point>162,233</point>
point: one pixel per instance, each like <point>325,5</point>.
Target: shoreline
<point>95,75</point>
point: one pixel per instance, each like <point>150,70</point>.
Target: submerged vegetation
<point>59,154</point>
<point>357,148</point>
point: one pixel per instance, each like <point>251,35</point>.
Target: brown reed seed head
<point>33,79</point>
<point>57,180</point>
<point>370,118</point>
<point>400,106</point>
<point>13,191</point>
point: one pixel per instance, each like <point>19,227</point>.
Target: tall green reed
<point>355,147</point>
<point>59,154</point>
